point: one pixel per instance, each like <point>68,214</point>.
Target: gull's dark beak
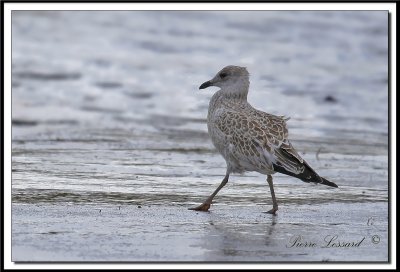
<point>205,85</point>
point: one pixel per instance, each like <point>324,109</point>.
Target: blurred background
<point>106,106</point>
<point>112,96</point>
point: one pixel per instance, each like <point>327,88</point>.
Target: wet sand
<point>110,200</point>
<point>349,232</point>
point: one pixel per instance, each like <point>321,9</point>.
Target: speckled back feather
<point>253,139</point>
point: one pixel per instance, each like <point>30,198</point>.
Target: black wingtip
<point>308,175</point>
<point>329,183</point>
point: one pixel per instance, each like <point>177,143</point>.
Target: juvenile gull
<point>250,139</point>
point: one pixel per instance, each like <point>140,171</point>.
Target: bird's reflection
<point>270,230</point>
<point>231,238</point>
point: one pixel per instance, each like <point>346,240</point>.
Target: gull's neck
<point>239,90</point>
<point>228,97</point>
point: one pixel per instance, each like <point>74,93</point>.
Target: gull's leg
<point>271,188</point>
<point>206,205</point>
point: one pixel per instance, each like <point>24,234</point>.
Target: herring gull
<point>250,139</point>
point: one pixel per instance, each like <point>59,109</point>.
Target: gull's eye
<point>223,75</point>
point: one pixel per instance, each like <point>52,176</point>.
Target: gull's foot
<point>202,208</point>
<point>272,211</point>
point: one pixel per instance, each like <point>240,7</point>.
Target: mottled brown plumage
<point>250,139</point>
<point>251,134</point>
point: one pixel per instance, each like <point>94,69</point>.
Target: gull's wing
<point>259,139</point>
<point>277,139</point>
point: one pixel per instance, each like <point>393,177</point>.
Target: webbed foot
<point>272,211</point>
<point>202,208</point>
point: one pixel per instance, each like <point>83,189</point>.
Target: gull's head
<point>233,80</point>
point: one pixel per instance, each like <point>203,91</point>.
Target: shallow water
<point>107,112</point>
<point>106,232</point>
